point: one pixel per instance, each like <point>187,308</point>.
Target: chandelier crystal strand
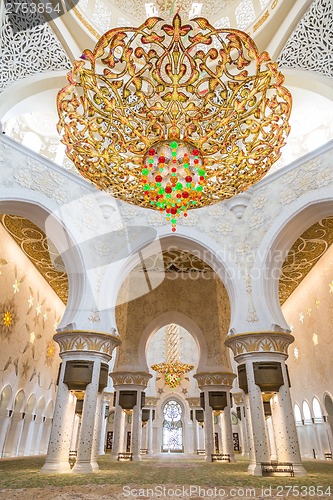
<point>160,123</point>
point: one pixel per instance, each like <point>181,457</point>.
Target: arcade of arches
<point>121,338</point>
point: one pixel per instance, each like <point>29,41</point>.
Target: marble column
<point>226,428</point>
<point>195,433</point>
<point>75,433</point>
<point>118,429</point>
<point>208,428</point>
<point>4,427</point>
<point>62,426</point>
<point>136,428</point>
<point>27,433</point>
<point>97,432</point>
<point>37,435</point>
<point>150,433</point>
<point>271,438</point>
<point>77,346</point>
<point>286,439</point>
<point>259,432</point>
<point>101,444</point>
<point>14,434</point>
<point>129,381</point>
<point>84,461</point>
<point>267,347</point>
<point>214,382</point>
<point>46,435</point>
<point>329,434</point>
<point>244,433</point>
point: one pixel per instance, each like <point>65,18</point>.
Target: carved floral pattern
<point>87,341</point>
<point>30,50</point>
<point>130,378</point>
<point>207,379</point>
<point>310,45</point>
<point>259,342</point>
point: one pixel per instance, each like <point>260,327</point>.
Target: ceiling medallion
<point>174,117</point>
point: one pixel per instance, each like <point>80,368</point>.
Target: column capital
<point>259,342</point>
<point>151,401</point>
<point>87,340</point>
<point>194,403</point>
<point>207,379</point>
<point>238,398</point>
<point>130,378</point>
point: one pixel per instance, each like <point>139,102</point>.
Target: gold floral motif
<point>130,378</point>
<point>261,21</point>
<point>50,352</point>
<point>259,342</point>
<point>35,244</point>
<point>87,341</point>
<point>303,255</point>
<point>208,379</point>
<point>7,318</point>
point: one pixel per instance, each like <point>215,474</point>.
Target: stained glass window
<point>172,427</point>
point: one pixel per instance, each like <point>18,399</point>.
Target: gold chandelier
<point>174,117</point>
<point>172,368</point>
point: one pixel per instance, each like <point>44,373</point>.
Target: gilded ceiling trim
<point>40,250</point>
<point>303,255</point>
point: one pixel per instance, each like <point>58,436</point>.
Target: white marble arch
<point>286,228</point>
<point>42,212</point>
<point>186,239</point>
<point>6,397</point>
<point>182,320</point>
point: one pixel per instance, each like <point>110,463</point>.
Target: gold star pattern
<point>317,302</point>
<point>308,311</point>
<point>331,286</point>
<point>315,339</point>
<point>16,286</point>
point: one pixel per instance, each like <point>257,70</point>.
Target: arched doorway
<point>172,429</point>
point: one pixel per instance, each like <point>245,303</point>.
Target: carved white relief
<point>28,51</point>
<point>310,45</point>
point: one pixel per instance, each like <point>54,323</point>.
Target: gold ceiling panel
<point>303,255</point>
<point>175,261</point>
<point>40,250</point>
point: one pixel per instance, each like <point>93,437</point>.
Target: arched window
<point>307,413</point>
<point>297,413</point>
<point>318,415</point>
<point>172,439</point>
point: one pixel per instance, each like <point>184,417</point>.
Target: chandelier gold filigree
<point>174,116</point>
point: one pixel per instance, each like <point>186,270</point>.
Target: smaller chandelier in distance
<point>172,368</point>
<point>174,117</point>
